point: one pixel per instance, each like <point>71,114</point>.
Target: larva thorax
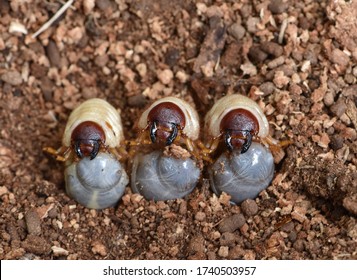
<point>102,118</point>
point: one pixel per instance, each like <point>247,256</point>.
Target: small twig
<point>71,7</point>
<point>53,19</point>
<point>283,27</point>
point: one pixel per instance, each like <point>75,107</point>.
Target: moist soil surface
<point>296,59</point>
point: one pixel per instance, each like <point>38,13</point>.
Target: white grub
<point>192,127</point>
<point>240,174</point>
<point>98,111</point>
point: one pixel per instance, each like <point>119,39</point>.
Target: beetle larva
<point>156,173</point>
<point>235,127</point>
<point>91,143</point>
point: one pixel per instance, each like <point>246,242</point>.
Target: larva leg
<point>213,145</point>
<point>142,139</point>
<point>196,148</point>
<point>62,154</point>
<point>119,152</point>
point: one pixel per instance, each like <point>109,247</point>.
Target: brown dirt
<point>297,59</point>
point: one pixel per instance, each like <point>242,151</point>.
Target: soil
<point>297,59</point>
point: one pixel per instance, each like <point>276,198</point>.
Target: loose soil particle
<point>249,207</point>
<point>296,59</point>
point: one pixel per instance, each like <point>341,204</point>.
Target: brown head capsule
<point>239,126</point>
<point>93,126</point>
<point>87,138</point>
<point>168,118</point>
<point>238,120</point>
<point>165,120</point>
